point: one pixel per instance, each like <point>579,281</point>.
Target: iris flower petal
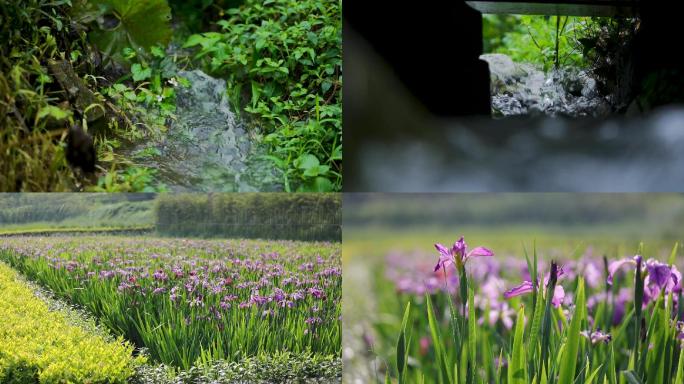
<point>444,257</point>
<point>442,249</point>
<point>459,248</point>
<point>525,287</point>
<point>480,251</point>
<point>659,274</point>
<point>615,265</point>
<point>676,279</point>
<point>558,296</point>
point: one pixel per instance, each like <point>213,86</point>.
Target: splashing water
<point>534,154</point>
<point>524,89</point>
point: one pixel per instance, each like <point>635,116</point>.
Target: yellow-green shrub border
<point>40,346</point>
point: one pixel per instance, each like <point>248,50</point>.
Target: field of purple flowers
<point>195,301</point>
<point>465,314</point>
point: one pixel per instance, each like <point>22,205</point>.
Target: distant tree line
<point>19,208</point>
<point>293,216</point>
<point>506,209</point>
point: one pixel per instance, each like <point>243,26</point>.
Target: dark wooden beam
<point>610,8</point>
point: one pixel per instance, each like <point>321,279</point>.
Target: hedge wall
<point>20,208</point>
<point>292,216</point>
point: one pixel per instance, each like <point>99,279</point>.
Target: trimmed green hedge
<point>41,346</point>
<point>87,208</point>
<point>295,216</point>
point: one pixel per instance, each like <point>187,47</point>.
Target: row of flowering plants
<point>189,302</point>
<point>478,318</point>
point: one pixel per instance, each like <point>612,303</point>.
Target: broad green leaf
<point>673,254</point>
<point>679,377</point>
<point>125,23</point>
<point>590,378</point>
<point>631,377</point>
<point>436,338</point>
<point>401,344</point>
<point>52,111</point>
<point>516,368</point>
<point>535,328</point>
<point>568,365</point>
<point>472,332</point>
<point>318,184</point>
<point>307,161</point>
<point>139,73</point>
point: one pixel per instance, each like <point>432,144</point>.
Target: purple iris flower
<point>503,313</point>
<point>614,266</point>
<point>313,320</point>
<point>592,274</point>
<point>317,293</point>
<point>458,252</point>
<point>107,274</point>
<point>680,332</point>
<point>197,301</point>
<point>670,284</point>
<point>178,271</point>
<point>659,276</point>
<point>124,286</point>
<point>278,294</point>
<point>174,294</point>
<point>527,287</point>
<point>160,275</point>
<point>597,336</point>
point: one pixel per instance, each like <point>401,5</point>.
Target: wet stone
<point>206,147</point>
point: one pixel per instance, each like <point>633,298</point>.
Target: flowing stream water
<point>206,146</point>
<point>525,89</point>
<point>528,154</point>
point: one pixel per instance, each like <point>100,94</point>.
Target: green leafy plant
<point>546,40</point>
<point>147,91</point>
<point>130,179</point>
<point>283,61</point>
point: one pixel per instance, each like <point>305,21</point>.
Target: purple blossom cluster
<point>413,274</point>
